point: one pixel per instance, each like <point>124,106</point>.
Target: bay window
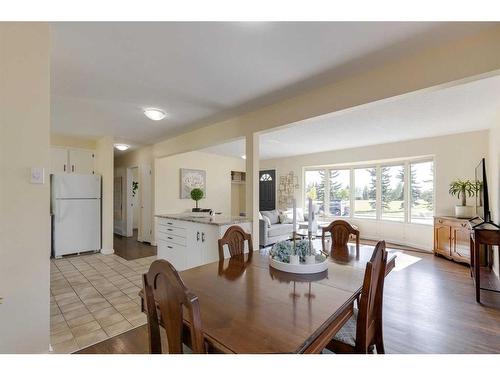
<point>402,192</point>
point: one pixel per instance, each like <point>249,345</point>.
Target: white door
<point>81,161</point>
<point>58,160</point>
<point>77,226</point>
<point>145,228</point>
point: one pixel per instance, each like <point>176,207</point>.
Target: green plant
<point>462,189</point>
<point>196,195</point>
<point>135,186</point>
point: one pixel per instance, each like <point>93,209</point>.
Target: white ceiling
<point>103,74</point>
<point>467,107</point>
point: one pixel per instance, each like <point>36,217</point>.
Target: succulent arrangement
<point>282,250</point>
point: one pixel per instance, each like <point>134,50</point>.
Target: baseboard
<point>107,251</point>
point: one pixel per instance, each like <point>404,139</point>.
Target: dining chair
<point>340,232</point>
<point>363,331</point>
<point>235,238</point>
<point>164,288</point>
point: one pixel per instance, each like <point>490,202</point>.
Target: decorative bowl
<point>301,268</point>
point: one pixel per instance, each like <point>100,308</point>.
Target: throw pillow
<point>268,221</point>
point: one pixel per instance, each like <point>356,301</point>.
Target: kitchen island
<point>187,241</point>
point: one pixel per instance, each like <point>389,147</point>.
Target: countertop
<point>214,220</point>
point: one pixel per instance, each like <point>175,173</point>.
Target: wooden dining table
<point>249,307</point>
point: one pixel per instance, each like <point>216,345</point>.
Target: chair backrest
<point>369,323</point>
<point>166,298</point>
<point>340,231</point>
<point>235,238</point>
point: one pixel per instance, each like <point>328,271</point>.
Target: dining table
<point>249,307</point>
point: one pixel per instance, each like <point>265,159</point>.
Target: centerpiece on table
<point>298,256</point>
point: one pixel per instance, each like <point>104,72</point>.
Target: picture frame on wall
<point>191,179</point>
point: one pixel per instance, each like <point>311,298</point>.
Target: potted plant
<point>196,195</point>
<point>463,189</point>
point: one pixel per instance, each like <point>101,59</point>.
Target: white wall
<point>493,175</point>
<point>218,191</point>
<point>24,207</point>
<point>454,156</point>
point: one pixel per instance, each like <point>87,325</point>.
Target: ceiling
<point>104,74</point>
<point>458,109</point>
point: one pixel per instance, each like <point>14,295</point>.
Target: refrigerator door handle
<point>64,168</point>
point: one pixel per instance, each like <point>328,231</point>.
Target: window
<point>392,181</point>
<point>315,188</point>
<point>266,177</point>
<point>365,203</point>
<point>340,196</point>
<point>422,192</point>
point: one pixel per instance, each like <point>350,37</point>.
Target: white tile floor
<point>94,297</point>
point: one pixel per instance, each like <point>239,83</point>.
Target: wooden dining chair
<point>363,331</point>
<point>164,288</point>
<point>340,232</point>
<point>235,238</point>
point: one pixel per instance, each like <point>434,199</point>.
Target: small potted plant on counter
<point>196,195</point>
<point>463,189</point>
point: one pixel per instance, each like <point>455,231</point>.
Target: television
<point>482,199</point>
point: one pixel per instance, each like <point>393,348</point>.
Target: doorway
<point>267,190</point>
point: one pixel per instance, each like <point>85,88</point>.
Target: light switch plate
<point>37,175</point>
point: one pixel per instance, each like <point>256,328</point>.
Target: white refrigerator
<point>76,213</point>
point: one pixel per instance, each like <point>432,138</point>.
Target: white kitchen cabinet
<point>188,244</point>
<point>81,161</point>
<point>64,160</point>
<point>58,160</point>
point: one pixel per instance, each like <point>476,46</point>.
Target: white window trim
<point>406,163</point>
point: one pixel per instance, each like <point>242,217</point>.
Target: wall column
<point>105,167</point>
<point>252,184</point>
<point>25,205</point>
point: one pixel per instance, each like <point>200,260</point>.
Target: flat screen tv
<point>482,199</point>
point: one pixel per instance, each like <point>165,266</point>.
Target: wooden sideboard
<point>452,238</point>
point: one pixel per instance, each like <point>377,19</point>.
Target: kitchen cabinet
<point>64,160</point>
<point>188,244</point>
<point>452,238</point>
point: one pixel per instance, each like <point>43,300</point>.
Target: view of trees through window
<point>333,196</point>
<point>365,182</point>
<point>340,196</point>
<point>392,181</point>
<point>422,192</point>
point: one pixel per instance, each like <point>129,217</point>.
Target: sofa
<point>277,225</point>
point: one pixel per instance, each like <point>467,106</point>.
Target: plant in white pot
<point>463,189</point>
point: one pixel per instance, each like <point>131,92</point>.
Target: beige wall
<point>25,220</point>
<point>141,158</point>
<point>493,175</point>
<point>104,167</point>
<point>218,191</point>
<point>454,155</point>
<point>72,141</point>
<point>237,199</point>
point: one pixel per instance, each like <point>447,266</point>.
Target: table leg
<point>477,274</point>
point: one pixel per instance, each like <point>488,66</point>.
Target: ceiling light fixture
<point>243,157</point>
<point>154,114</point>
<point>122,146</point>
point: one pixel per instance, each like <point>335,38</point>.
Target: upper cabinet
<point>64,160</point>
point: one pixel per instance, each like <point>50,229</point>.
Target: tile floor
<point>94,297</point>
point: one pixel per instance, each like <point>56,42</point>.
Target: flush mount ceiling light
<point>154,114</point>
<point>122,146</point>
<point>243,156</point>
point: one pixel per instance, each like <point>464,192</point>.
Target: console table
<point>486,234</point>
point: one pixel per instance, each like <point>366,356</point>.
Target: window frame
<point>405,162</point>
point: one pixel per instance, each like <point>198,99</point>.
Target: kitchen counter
<point>219,220</point>
<point>187,241</point>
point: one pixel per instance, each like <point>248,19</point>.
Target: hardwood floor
<point>129,248</point>
<point>429,307</point>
